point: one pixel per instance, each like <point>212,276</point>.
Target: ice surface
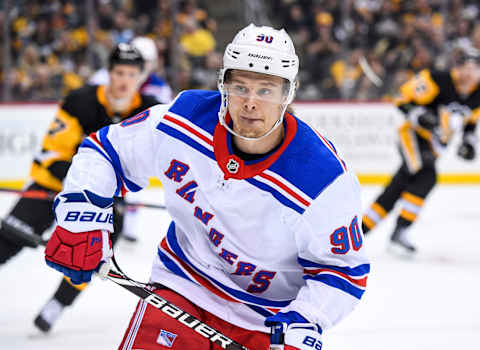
<point>428,303</point>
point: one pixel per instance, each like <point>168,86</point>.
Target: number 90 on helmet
<point>262,50</point>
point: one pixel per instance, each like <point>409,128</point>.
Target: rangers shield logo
<point>166,338</point>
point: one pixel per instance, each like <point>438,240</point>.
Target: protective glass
<point>261,91</point>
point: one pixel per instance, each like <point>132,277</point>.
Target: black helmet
<point>125,53</point>
<point>464,54</point>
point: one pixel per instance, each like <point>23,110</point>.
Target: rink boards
<point>363,133</point>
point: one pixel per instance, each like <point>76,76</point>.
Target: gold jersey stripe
<point>473,118</point>
<point>368,222</point>
<point>408,144</point>
<point>407,215</point>
<point>409,197</point>
<point>379,210</point>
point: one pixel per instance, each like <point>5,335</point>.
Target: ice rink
<point>431,302</point>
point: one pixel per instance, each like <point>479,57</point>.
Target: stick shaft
<point>174,312</point>
<point>167,307</point>
<point>44,195</point>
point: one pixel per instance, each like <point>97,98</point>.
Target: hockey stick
<point>17,234</point>
<point>141,290</point>
<point>44,195</point>
<point>369,73</point>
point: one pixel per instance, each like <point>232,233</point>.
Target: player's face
<point>254,102</point>
<point>124,80</point>
<point>468,72</point>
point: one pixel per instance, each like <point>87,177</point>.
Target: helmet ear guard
<point>261,50</point>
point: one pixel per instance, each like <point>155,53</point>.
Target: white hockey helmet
<point>147,48</point>
<point>261,50</point>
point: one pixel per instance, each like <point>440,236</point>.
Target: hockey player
<point>82,111</point>
<point>266,225</point>
<point>436,105</point>
<point>151,83</point>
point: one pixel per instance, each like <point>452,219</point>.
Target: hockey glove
<point>291,331</point>
<point>78,255</point>
<point>423,117</point>
<point>466,151</point>
<point>467,148</point>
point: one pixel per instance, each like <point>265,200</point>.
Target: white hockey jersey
<point>247,238</point>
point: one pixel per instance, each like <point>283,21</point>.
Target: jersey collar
<point>102,99</point>
<point>234,167</point>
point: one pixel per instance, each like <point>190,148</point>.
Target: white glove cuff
<point>303,336</point>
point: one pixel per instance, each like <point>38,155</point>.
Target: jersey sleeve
<point>332,254</point>
<point>60,143</point>
<point>420,90</point>
<point>110,162</point>
<point>471,122</point>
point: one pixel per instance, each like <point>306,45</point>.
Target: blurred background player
<point>82,112</point>
<point>151,83</point>
<point>436,105</point>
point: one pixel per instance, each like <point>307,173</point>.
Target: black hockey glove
<point>466,151</point>
<point>423,117</point>
<point>467,148</point>
<point>427,120</point>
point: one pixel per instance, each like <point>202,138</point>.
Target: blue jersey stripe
<point>319,168</point>
<point>173,243</point>
<point>262,311</point>
<point>339,283</point>
<point>172,266</point>
<point>116,160</point>
<point>200,107</point>
<point>280,197</point>
<point>90,144</point>
<point>88,196</point>
<point>186,139</point>
<point>359,270</point>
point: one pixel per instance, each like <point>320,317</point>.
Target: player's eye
<point>240,89</point>
<point>264,92</point>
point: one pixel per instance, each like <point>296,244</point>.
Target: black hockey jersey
<point>437,91</point>
<point>83,111</point>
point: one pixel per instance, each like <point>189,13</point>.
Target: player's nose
<point>250,103</point>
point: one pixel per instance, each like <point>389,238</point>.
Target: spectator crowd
<point>350,49</point>
<point>56,45</point>
<point>364,49</point>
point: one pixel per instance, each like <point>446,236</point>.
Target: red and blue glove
<point>78,255</point>
<point>291,331</point>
